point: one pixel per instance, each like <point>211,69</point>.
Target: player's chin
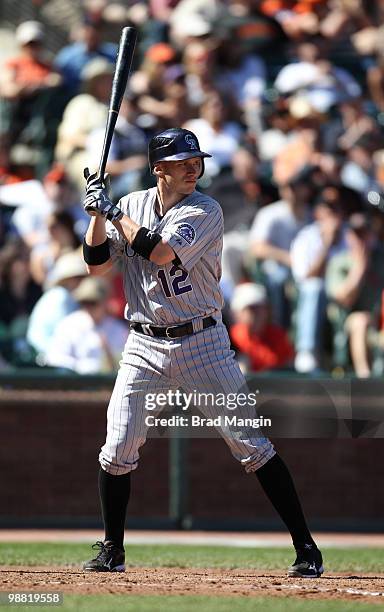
<point>189,186</point>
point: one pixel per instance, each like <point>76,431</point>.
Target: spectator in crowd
<point>150,85</point>
<point>310,252</point>
<point>375,81</point>
<point>240,186</point>
<point>56,302</point>
<point>169,106</point>
<point>18,295</point>
<point>18,291</point>
<point>162,10</point>
<point>271,235</point>
<point>86,112</point>
<point>301,147</point>
<point>298,19</point>
<point>349,124</point>
<point>355,281</point>
<point>73,58</point>
<point>31,97</point>
<point>358,171</point>
<point>62,238</point>
<point>241,73</point>
<point>275,129</point>
<point>313,75</point>
<point>199,62</point>
<point>193,20</point>
<point>255,30</point>
<point>261,345</point>
<point>102,336</point>
<point>217,135</point>
<point>55,194</point>
<point>152,21</point>
<point>9,173</point>
<point>345,19</point>
<point>127,159</point>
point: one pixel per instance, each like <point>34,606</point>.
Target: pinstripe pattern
<point>146,300</point>
<point>202,362</point>
<point>144,369</point>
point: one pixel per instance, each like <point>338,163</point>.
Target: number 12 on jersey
<point>173,282</point>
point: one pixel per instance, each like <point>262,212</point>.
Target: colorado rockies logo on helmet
<point>191,142</point>
<point>187,232</point>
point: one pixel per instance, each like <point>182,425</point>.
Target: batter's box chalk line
<point>348,591</point>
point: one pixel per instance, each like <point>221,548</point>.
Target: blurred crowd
<point>287,96</point>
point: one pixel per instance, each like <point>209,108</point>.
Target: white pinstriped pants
<point>202,363</point>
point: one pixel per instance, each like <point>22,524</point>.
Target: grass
<point>355,560</point>
<point>181,603</point>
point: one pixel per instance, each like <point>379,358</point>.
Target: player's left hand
<point>95,183</point>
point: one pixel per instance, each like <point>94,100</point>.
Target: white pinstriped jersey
<point>169,295</point>
<point>173,293</point>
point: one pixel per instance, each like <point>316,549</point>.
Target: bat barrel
<point>123,67</point>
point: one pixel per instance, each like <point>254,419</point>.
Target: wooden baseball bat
<point>120,78</point>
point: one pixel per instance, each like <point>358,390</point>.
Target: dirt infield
<point>189,581</point>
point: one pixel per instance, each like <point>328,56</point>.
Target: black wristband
<point>112,212</point>
<point>145,241</point>
<point>96,255</point>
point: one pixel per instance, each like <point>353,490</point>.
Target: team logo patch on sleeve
<point>187,232</point>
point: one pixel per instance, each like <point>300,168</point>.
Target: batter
<point>169,242</point>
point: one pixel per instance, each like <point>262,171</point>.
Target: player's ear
<point>158,170</point>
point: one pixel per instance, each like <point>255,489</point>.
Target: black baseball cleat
<point>308,563</point>
<point>109,559</point>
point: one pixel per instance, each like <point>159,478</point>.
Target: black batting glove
<point>94,182</point>
<point>97,201</point>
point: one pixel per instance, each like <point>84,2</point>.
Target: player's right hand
<point>95,202</point>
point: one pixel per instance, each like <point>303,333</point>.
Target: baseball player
<point>168,240</point>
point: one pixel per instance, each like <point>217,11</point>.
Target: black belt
<point>175,331</point>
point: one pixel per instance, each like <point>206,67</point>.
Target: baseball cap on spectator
<point>95,68</point>
<point>29,31</point>
<point>160,53</point>
<point>91,289</point>
<point>195,25</point>
<point>69,265</point>
<point>23,155</point>
<point>248,294</point>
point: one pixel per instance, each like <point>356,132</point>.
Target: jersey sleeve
<point>192,232</point>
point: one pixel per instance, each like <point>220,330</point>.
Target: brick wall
<point>48,457</point>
